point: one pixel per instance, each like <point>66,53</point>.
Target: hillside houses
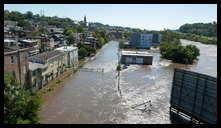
<point>91,41</point>
<point>45,50</point>
<point>32,59</point>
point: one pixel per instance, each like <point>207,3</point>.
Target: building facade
<point>16,62</point>
<point>71,55</point>
<point>47,44</point>
<point>35,75</point>
<point>136,57</point>
<point>156,39</point>
<point>45,67</point>
<point>10,43</point>
<point>145,41</point>
<point>91,41</point>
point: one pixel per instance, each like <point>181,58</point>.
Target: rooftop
<point>7,49</point>
<point>27,41</point>
<point>90,37</point>
<point>34,66</point>
<point>86,42</point>
<point>8,40</point>
<point>47,55</point>
<point>14,48</point>
<point>135,53</point>
<point>32,48</point>
<point>66,48</point>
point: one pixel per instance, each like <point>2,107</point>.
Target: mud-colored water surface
<point>93,97</point>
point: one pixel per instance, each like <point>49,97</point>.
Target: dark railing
<point>194,95</point>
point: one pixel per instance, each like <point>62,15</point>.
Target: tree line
<point>24,18</point>
<point>203,29</point>
<point>175,36</point>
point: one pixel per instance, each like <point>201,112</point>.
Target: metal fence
<point>91,69</point>
<point>195,94</point>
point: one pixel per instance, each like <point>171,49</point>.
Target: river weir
<point>93,97</point>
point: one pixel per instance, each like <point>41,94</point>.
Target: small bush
<point>118,68</point>
<point>59,81</point>
<point>82,52</point>
<point>121,44</point>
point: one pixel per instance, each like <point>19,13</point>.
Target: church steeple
<point>85,21</point>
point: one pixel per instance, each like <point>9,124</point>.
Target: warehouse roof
<point>66,48</point>
<point>9,40</point>
<point>34,66</point>
<point>47,55</point>
<point>135,53</point>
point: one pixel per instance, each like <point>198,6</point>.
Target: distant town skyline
<point>145,16</point>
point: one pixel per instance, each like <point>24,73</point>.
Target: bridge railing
<point>195,94</point>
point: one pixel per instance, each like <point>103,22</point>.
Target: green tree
<point>121,44</point>
<point>90,50</point>
<point>177,53</point>
<point>29,15</point>
<point>71,39</point>
<point>127,35</point>
<point>15,16</point>
<point>23,23</point>
<point>82,52</point>
<point>80,45</point>
<point>40,31</point>
<point>69,31</point>
<point>194,50</point>
<point>80,28</point>
<point>100,42</point>
<point>85,50</point>
<point>20,105</point>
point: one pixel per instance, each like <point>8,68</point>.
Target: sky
<point>143,16</point>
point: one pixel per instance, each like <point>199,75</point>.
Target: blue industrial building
<point>145,40</point>
<point>156,39</point>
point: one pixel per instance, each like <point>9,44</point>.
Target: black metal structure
<point>195,96</point>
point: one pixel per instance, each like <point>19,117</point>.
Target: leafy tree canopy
<point>180,54</point>
<point>20,106</point>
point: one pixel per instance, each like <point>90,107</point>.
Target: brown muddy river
<point>93,97</point>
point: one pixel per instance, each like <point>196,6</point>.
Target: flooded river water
<point>93,97</point>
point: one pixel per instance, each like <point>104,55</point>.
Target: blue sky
<point>144,16</point>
